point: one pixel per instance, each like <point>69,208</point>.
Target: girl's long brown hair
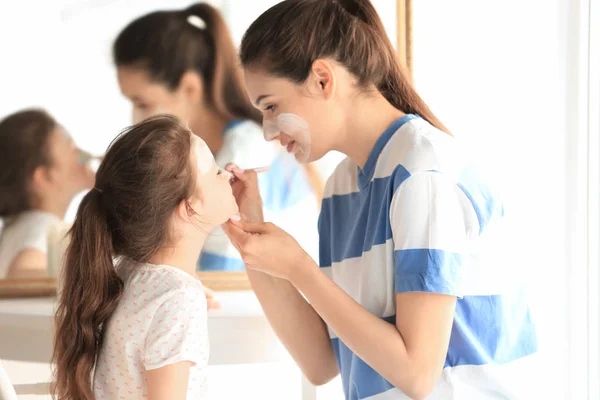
<point>144,176</point>
<point>286,40</point>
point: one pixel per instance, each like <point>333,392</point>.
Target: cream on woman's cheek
<point>296,128</point>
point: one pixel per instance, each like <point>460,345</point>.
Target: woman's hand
<point>267,248</point>
<point>244,185</point>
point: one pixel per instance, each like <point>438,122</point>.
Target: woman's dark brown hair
<point>144,176</point>
<point>166,45</point>
<point>24,147</point>
<point>286,40</point>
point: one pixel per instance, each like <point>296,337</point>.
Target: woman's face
<point>149,98</point>
<point>213,200</point>
<point>297,115</point>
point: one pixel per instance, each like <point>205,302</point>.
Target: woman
<point>413,297</point>
<point>184,63</point>
<point>41,170</point>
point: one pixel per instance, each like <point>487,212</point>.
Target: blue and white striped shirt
<point>288,198</point>
<point>419,218</point>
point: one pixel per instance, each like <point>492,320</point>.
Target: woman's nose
<point>270,130</point>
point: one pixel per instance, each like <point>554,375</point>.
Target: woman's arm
<point>409,354</point>
<point>169,382</point>
<point>294,321</point>
<point>298,326</point>
<point>426,216</point>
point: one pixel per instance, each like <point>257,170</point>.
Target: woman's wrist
<point>304,272</point>
<point>254,214</point>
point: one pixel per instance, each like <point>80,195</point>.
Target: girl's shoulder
<point>158,281</point>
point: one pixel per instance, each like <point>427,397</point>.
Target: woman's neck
<point>363,129</point>
<point>209,126</point>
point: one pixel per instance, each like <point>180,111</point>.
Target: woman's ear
<point>324,78</point>
<point>192,87</point>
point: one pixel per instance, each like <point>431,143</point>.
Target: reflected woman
<point>184,63</point>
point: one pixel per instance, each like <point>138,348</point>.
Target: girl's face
<point>213,200</point>
<point>303,118</point>
<point>149,98</point>
<point>68,174</point>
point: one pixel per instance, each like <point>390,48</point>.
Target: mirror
<point>79,88</point>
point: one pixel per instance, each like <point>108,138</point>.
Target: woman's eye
<point>270,108</point>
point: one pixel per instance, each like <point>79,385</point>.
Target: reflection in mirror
<point>216,109</point>
<point>206,91</point>
<point>42,170</point>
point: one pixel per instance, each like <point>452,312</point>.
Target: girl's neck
<point>55,206</point>
<point>363,129</point>
<point>182,255</point>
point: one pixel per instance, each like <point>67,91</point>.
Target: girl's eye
<point>270,108</point>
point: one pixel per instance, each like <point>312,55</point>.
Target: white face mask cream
<point>204,158</point>
<point>295,128</point>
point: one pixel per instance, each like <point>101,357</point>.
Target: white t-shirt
<point>27,230</point>
<point>161,319</point>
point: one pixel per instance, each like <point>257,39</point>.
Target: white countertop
<point>233,304</point>
<point>239,331</point>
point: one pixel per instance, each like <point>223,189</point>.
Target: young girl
<point>184,63</point>
<point>138,329</point>
<point>41,170</point>
<point>416,296</point>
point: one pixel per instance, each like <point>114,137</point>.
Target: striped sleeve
<point>429,234</point>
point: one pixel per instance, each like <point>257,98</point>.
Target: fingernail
<point>239,170</point>
<point>225,172</point>
<point>235,218</point>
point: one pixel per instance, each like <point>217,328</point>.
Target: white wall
<point>498,75</point>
